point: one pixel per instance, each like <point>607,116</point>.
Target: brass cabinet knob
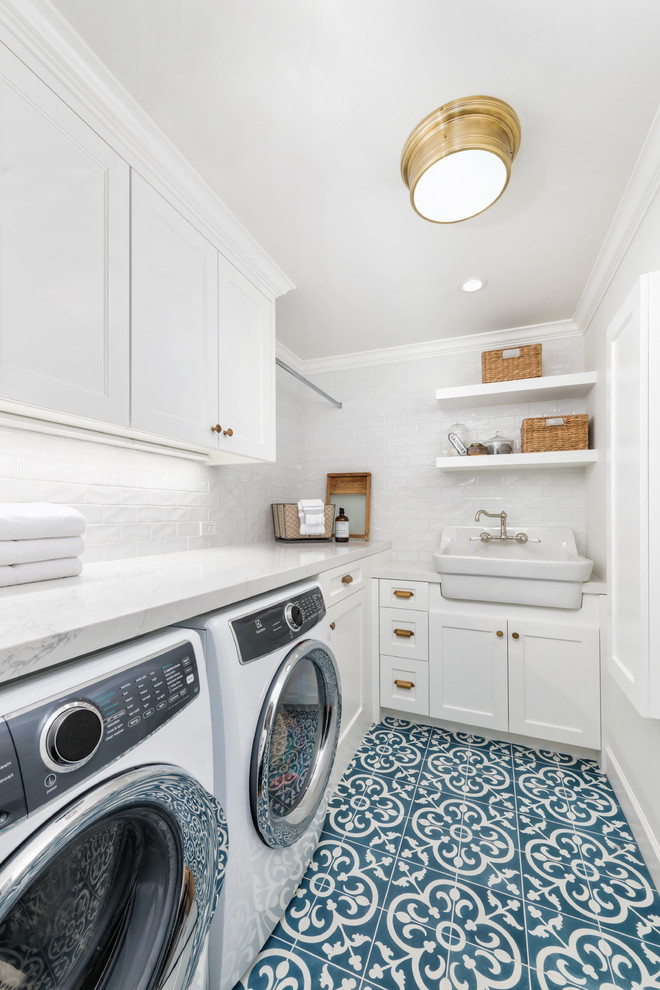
<point>500,633</point>
<point>332,625</point>
<point>228,433</point>
<point>347,579</point>
<point>404,594</point>
<point>217,428</point>
<point>516,635</point>
<point>406,685</point>
<point>407,633</point>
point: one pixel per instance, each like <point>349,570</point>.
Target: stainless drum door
<point>117,890</point>
<point>295,744</point>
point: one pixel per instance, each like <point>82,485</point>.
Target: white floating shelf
<point>520,462</point>
<point>575,386</point>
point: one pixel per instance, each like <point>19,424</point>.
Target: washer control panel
<point>65,739</point>
<point>262,632</point>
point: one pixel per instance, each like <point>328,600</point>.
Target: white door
<point>634,492</point>
<point>174,322</point>
<point>64,255</point>
<point>349,645</point>
<point>554,682</point>
<point>468,670</point>
<point>246,404</point>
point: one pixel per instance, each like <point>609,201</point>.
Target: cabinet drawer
<point>341,582</point>
<point>404,594</point>
<point>404,633</point>
<point>404,685</point>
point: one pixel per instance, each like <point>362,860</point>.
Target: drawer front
<point>341,582</point>
<point>404,685</point>
<point>404,633</point>
<point>404,594</point>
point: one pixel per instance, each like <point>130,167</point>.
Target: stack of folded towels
<point>311,512</point>
<point>39,541</point>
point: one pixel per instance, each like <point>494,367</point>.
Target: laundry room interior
<point>281,640</point>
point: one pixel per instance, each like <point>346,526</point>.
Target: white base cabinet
<point>468,669</point>
<point>345,595</point>
<point>509,668</point>
<point>533,671</point>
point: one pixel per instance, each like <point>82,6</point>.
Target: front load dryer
<point>276,705</point>
<point>112,845</point>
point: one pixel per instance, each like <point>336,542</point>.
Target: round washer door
<point>117,890</point>
<point>295,744</point>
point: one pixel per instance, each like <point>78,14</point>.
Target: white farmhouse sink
<point>549,572</point>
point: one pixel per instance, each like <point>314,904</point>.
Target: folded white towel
<point>43,570</point>
<point>38,520</point>
<point>312,516</point>
<point>29,551</point>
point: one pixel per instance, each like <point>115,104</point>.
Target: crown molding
<point>513,337</point>
<point>641,189</point>
<point>46,42</point>
<point>288,356</point>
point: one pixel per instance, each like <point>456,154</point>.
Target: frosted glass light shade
<point>460,186</point>
<point>457,161</point>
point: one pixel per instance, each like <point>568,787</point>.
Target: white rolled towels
<point>43,570</point>
<point>39,520</point>
<point>29,551</point>
<point>311,512</point>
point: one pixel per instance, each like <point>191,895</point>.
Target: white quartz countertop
<point>48,623</point>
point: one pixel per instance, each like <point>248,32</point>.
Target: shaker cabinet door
<point>64,255</point>
<point>246,403</point>
<point>174,307</point>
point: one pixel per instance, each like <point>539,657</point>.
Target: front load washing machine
<point>276,704</point>
<point>112,846</point>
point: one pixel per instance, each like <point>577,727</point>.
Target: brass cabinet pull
<point>406,685</point>
<point>404,594</point>
<point>404,632</point>
<point>228,433</point>
<point>217,428</point>
<point>347,579</point>
<point>499,632</point>
<point>332,625</point>
<point>515,635</point>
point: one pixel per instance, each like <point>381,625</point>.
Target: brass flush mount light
<point>457,161</point>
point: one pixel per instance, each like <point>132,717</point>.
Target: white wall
<point>391,425</point>
<point>633,742</point>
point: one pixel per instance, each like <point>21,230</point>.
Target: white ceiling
<point>296,112</point>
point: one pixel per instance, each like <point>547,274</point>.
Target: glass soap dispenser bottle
<point>341,527</point>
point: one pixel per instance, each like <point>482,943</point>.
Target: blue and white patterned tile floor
<point>452,862</point>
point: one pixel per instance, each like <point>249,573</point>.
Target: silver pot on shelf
<point>500,445</point>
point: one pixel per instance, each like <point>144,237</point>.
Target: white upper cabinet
<point>174,325</point>
<point>64,261</point>
<point>246,403</point>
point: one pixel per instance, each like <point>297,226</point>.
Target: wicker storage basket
<point>547,433</point>
<point>286,522</point>
<point>511,363</point>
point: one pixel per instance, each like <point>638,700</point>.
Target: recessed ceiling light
<point>473,284</point>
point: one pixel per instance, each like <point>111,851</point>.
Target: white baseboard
<point>646,839</point>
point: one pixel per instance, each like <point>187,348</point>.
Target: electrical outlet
<point>208,529</point>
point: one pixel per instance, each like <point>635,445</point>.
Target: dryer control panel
<point>268,629</point>
<point>60,742</point>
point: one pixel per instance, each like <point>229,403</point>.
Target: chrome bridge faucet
<point>486,537</point>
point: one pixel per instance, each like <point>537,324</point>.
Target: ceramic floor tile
<point>453,861</point>
<point>433,834</point>
<point>371,808</point>
<point>281,967</point>
<point>555,875</point>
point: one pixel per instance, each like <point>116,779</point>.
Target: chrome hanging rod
<point>307,382</point>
